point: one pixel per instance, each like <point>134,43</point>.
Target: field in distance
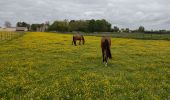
<point>47,65</point>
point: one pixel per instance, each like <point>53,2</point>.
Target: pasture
<point>48,66</point>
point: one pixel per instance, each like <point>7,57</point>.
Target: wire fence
<point>6,36</point>
<point>145,36</point>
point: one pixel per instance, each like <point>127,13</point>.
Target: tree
<point>72,25</point>
<point>115,29</point>
<point>7,24</point>
<point>141,29</point>
<point>91,26</point>
<point>102,26</point>
<point>122,30</point>
<point>35,27</point>
<point>62,26</point>
<point>81,25</point>
<point>162,31</point>
<point>23,24</point>
<point>127,30</point>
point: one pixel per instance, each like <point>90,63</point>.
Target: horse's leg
<point>103,55</point>
<point>75,42</point>
<point>106,64</point>
<point>106,58</point>
<point>72,42</point>
<point>80,42</point>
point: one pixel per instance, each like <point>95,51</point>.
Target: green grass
<point>47,66</point>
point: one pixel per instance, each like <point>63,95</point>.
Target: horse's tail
<point>83,39</point>
<point>107,47</point>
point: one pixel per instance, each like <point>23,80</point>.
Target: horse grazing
<point>78,37</point>
<point>105,45</point>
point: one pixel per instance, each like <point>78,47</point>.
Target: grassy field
<point>47,66</point>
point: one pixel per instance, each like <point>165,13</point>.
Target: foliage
<point>91,26</point>
<point>81,25</point>
<point>23,24</point>
<point>141,29</point>
<point>7,24</point>
<point>115,29</point>
<point>35,26</point>
<point>127,30</point>
<point>61,26</point>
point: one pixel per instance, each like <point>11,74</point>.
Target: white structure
<point>42,28</point>
<point>10,29</point>
<point>21,29</point>
<point>13,29</point>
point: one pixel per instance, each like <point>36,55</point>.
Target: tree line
<point>81,26</point>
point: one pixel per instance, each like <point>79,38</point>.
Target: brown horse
<point>105,45</point>
<point>78,37</point>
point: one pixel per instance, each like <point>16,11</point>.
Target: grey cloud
<point>152,14</point>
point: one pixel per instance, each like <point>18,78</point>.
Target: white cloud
<point>153,14</point>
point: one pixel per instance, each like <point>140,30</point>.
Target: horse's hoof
<point>106,64</point>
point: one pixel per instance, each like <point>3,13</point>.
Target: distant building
<point>42,27</point>
<point>22,29</point>
<point>10,29</point>
<point>13,29</point>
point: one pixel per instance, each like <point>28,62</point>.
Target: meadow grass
<point>47,66</point>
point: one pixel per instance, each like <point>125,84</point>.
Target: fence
<point>6,36</point>
<point>145,36</point>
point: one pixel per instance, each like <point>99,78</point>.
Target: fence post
<point>0,36</point>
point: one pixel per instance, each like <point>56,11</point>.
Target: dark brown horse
<point>78,37</point>
<point>105,45</point>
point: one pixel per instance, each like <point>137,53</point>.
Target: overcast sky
<point>152,14</point>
